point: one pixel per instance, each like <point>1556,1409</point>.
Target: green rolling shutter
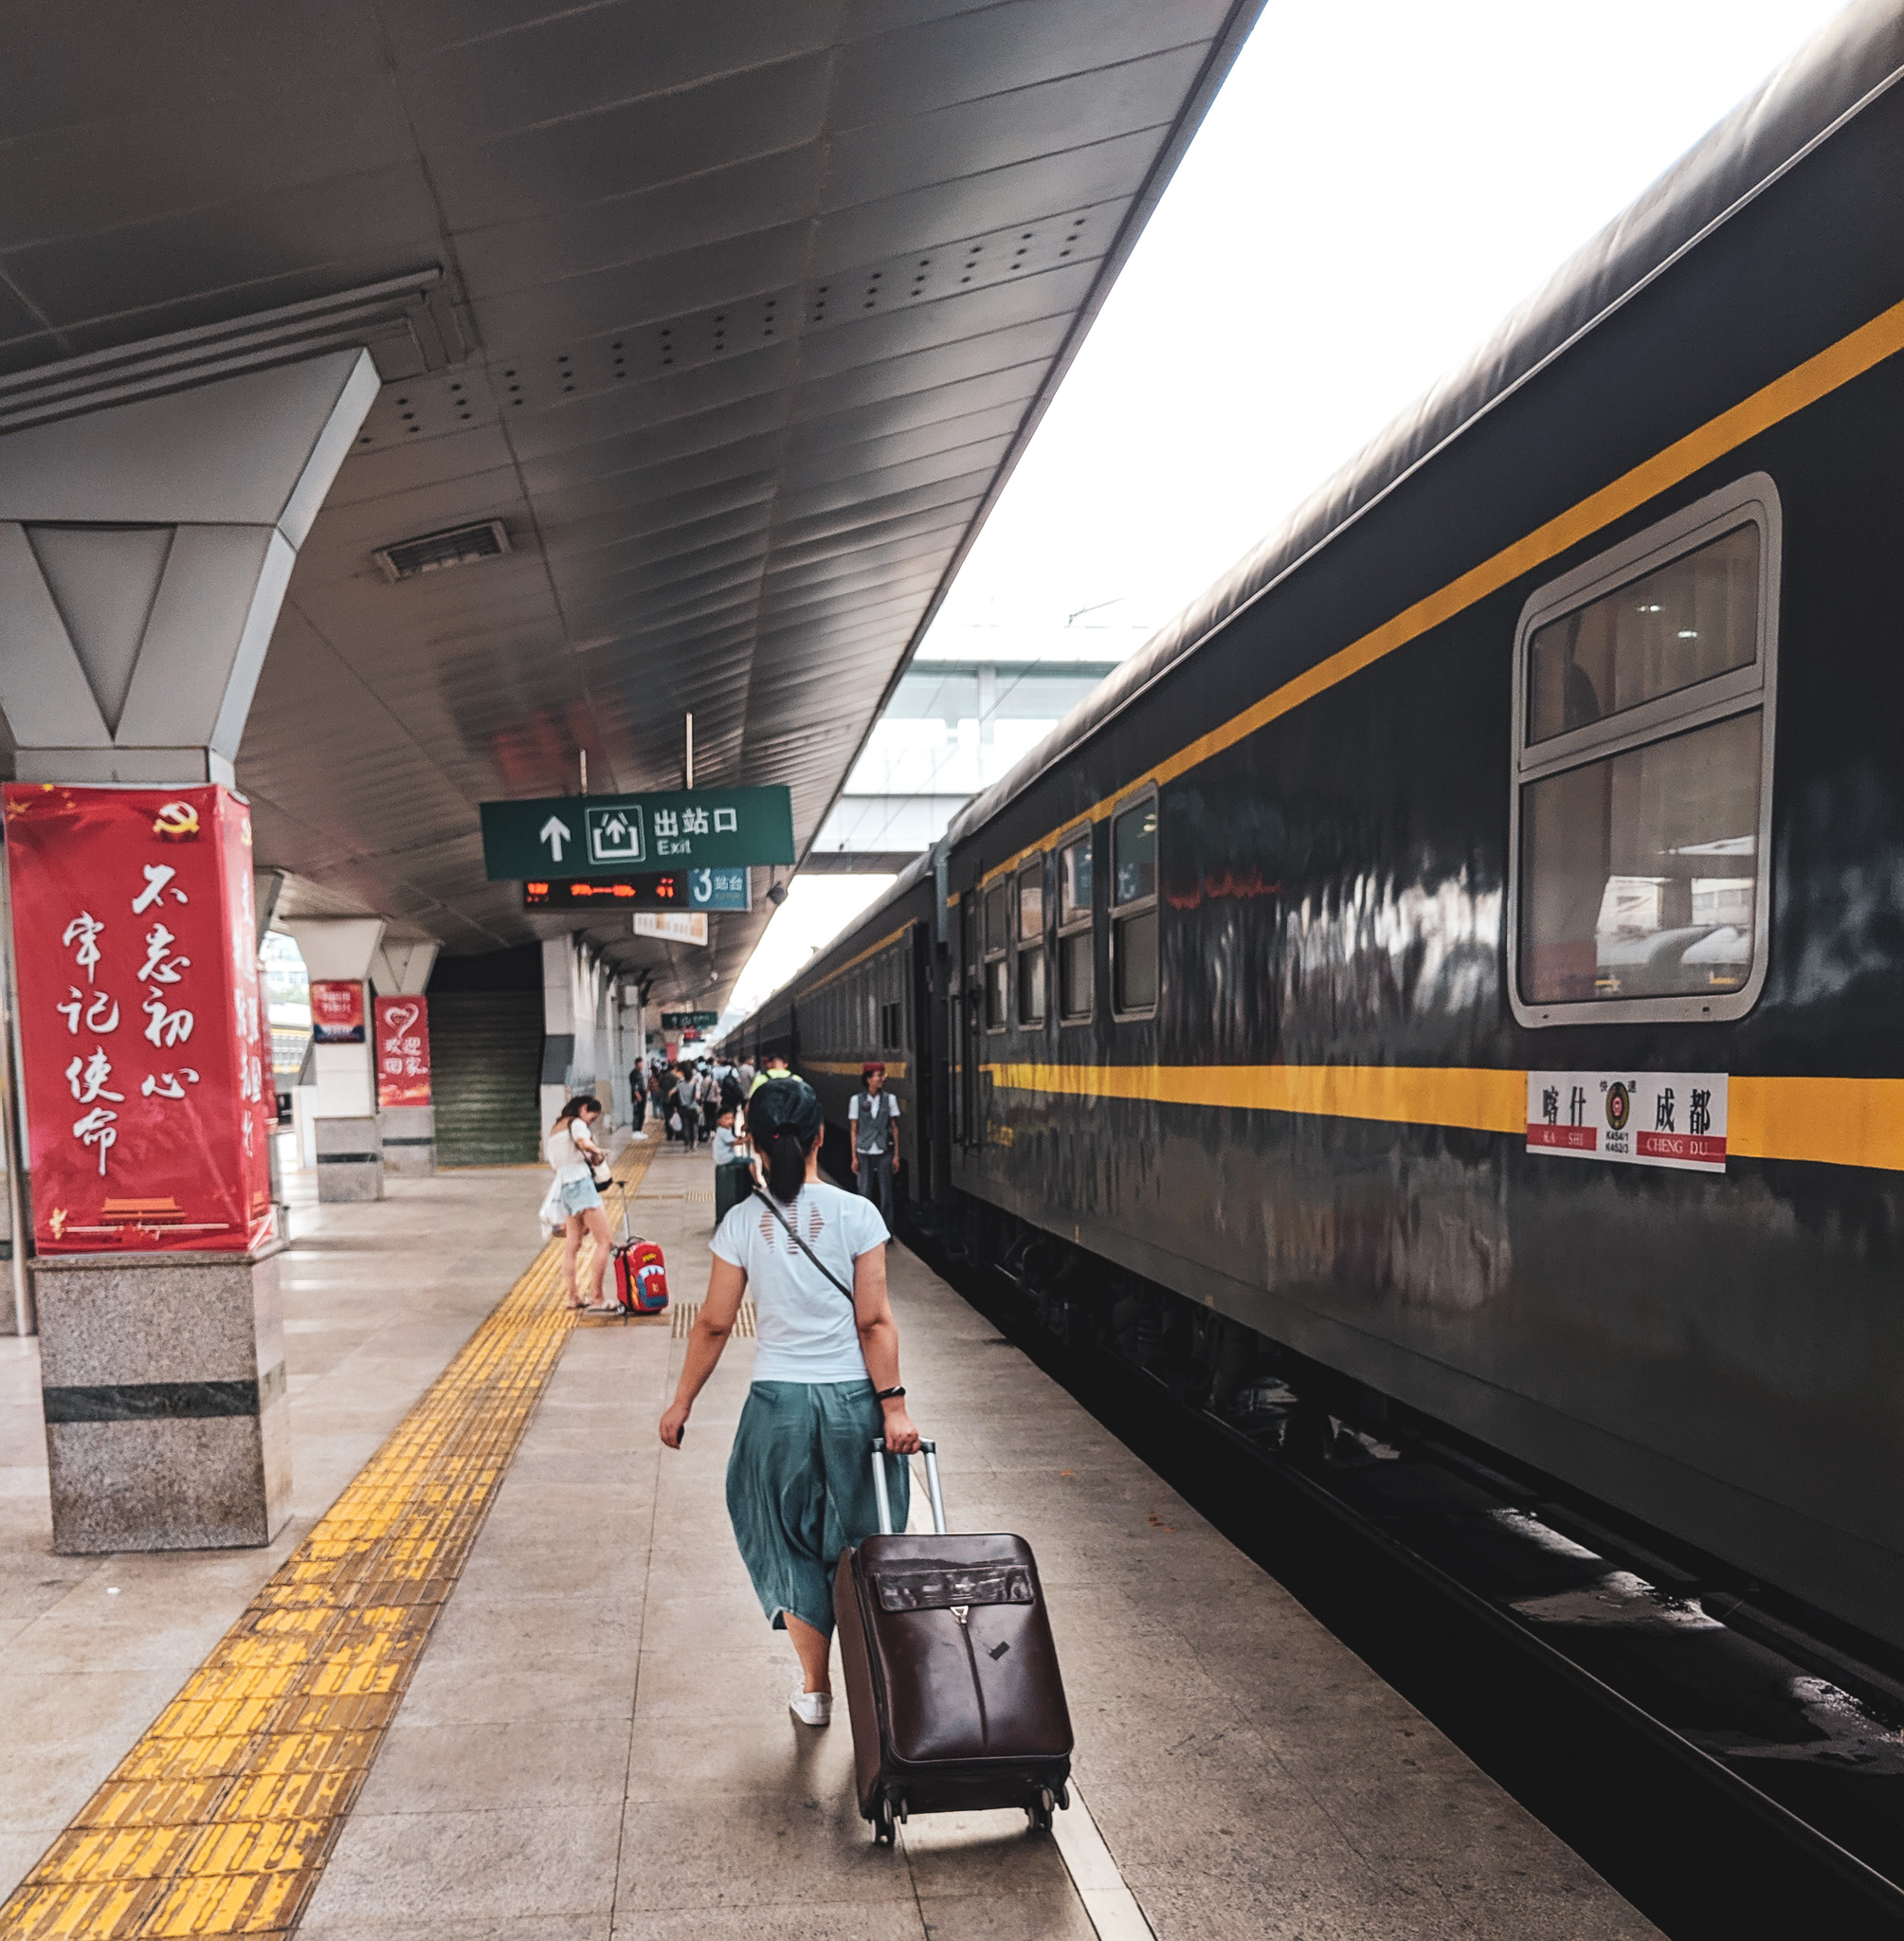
<point>486,1062</point>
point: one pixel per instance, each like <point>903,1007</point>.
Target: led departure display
<point>666,891</point>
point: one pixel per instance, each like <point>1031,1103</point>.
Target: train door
<point>916,1018</point>
<point>967,1046</point>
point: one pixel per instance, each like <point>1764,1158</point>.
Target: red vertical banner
<point>338,1010</point>
<point>403,1051</point>
<point>141,1024</point>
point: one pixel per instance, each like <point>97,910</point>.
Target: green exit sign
<point>689,1021</point>
<point>611,835</point>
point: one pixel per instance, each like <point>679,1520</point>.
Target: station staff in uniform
<point>875,1116</point>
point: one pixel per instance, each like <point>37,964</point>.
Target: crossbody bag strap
<point>786,1228</point>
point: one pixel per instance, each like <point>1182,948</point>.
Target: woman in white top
<point>574,1156</point>
<point>825,1379</point>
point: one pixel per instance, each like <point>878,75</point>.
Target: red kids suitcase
<point>640,1270</point>
<point>641,1278</point>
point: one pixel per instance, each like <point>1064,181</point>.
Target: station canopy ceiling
<point>735,317</point>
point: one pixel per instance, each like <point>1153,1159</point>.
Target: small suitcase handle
<point>931,1452</point>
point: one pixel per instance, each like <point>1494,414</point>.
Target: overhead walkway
<point>505,1675</point>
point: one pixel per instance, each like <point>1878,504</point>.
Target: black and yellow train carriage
<point>1467,947</point>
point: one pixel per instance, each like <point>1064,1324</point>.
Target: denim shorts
<point>578,1195</point>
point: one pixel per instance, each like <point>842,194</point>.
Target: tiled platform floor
<point>597,1744</point>
<point>377,1299</point>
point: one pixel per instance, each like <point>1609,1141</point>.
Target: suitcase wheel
<point>885,1827</point>
<point>1041,1809</point>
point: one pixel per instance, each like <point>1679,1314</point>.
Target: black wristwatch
<point>887,1394</point>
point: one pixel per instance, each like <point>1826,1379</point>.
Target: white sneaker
<point>811,1707</point>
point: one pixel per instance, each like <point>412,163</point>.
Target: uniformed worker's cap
<point>871,1067</point>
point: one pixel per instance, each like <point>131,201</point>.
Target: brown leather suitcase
<point>951,1676</point>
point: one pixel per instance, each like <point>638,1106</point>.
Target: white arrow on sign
<point>555,832</point>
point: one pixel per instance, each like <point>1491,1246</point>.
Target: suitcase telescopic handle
<point>931,1452</point>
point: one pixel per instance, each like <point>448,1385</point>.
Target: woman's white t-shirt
<point>562,1152</point>
<point>806,1327</point>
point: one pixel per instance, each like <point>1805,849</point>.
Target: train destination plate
<point>1634,1118</point>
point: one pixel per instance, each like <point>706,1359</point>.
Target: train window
<point>1134,910</point>
<point>1642,803</point>
<point>1031,903</point>
<point>997,1008</point>
<point>1693,619</point>
<point>1030,927</point>
<point>1074,882</point>
<point>1077,988</point>
<point>892,1026</point>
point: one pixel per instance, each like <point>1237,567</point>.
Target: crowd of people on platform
<point>690,1098</point>
<point>702,1100</point>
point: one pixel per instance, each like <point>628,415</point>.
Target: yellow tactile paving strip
<point>220,1820</point>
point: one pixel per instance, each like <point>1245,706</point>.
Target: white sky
<point>1379,183</point>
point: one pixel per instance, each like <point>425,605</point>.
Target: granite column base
<point>350,1160</point>
<point>168,1423</point>
<point>408,1135</point>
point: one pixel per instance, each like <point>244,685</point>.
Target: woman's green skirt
<point>800,1489</point>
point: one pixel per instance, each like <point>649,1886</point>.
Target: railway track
<point>1724,1765</point>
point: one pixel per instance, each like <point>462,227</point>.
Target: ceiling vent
<point>435,552</point>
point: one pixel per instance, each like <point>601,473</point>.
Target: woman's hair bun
<point>784,1105</point>
<point>784,1117</point>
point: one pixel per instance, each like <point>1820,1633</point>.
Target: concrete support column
<point>593,994</point>
<point>148,528</point>
<point>349,1139</point>
<point>401,969</point>
<point>619,1060</point>
<point>558,1027</point>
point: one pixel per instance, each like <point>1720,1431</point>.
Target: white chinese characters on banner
<point>96,1129</point>
<point>89,1078</point>
<point>102,1011</point>
<point>157,875</point>
<point>160,966</point>
<point>1674,1120</point>
<point>97,1012</point>
<point>82,936</point>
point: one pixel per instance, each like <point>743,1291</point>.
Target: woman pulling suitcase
<point>825,1379</point>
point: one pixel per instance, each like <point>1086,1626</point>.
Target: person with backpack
<point>825,1379</point>
<point>686,1106</point>
<point>873,1116</point>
